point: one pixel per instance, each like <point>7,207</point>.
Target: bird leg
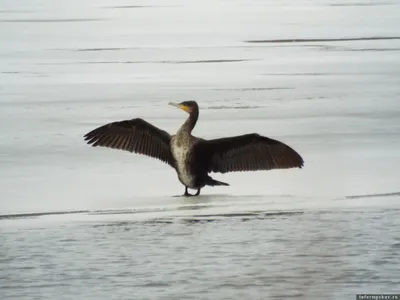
<point>186,194</point>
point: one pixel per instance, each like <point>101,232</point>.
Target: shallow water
<point>77,222</point>
<point>301,253</point>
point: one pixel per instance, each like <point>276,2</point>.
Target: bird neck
<point>189,124</point>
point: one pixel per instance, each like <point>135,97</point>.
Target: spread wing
<point>249,152</point>
<point>134,135</point>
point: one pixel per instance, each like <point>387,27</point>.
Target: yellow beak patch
<point>185,108</point>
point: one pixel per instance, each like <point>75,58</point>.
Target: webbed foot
<point>186,194</point>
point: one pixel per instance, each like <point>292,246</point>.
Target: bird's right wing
<point>134,135</point>
<point>249,152</point>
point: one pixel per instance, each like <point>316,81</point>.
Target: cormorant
<point>192,157</point>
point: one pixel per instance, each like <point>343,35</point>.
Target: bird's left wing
<point>249,152</point>
<point>134,135</point>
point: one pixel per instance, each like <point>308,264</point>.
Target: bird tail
<point>213,182</point>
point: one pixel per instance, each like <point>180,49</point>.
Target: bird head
<point>188,106</point>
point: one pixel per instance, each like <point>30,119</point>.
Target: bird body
<point>194,158</point>
<point>181,148</point>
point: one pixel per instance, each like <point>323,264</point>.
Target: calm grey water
<point>83,223</point>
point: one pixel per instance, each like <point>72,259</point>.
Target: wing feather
<point>249,152</point>
<point>135,135</point>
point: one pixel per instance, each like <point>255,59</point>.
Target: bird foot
<point>186,194</point>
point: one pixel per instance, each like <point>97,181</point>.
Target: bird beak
<point>174,104</point>
<point>183,107</point>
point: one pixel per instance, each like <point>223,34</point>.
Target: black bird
<point>192,157</point>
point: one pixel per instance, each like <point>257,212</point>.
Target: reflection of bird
<point>193,158</point>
